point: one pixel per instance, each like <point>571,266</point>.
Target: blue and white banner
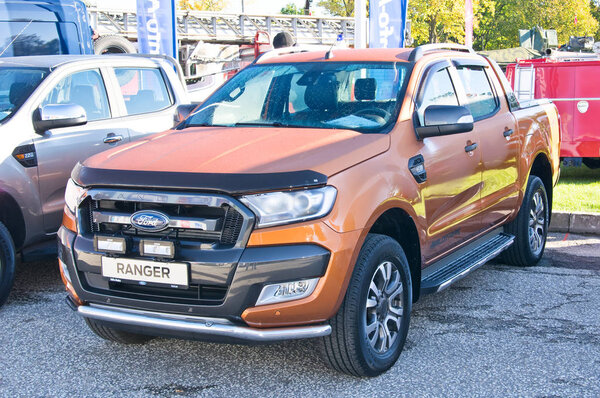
<point>387,22</point>
<point>156,27</point>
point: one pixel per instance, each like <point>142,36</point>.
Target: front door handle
<point>471,148</point>
<point>112,138</point>
<point>508,133</point>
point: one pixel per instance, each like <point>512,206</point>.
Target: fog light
<point>287,291</point>
<point>153,248</point>
<point>110,244</point>
<point>65,270</point>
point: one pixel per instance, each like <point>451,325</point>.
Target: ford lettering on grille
<point>148,220</point>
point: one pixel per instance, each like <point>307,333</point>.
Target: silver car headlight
<point>276,208</point>
<point>74,194</point>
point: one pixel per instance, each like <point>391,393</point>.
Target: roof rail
<point>290,50</point>
<point>420,51</point>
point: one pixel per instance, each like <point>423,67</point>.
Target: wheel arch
<point>541,168</point>
<point>12,218</point>
<point>400,226</point>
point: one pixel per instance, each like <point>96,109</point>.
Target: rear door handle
<point>111,138</point>
<point>508,133</point>
<point>471,148</point>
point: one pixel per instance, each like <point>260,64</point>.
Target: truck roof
<point>298,54</point>
<point>54,61</point>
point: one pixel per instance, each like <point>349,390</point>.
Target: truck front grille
<point>221,224</point>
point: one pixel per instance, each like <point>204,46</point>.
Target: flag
<point>156,27</point>
<point>387,23</point>
<point>469,23</point>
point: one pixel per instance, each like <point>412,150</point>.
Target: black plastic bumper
<point>242,272</point>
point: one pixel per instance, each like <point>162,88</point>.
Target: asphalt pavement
<point>500,332</point>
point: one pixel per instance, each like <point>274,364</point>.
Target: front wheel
<point>7,263</point>
<point>370,328</point>
<point>116,335</point>
<point>530,228</point>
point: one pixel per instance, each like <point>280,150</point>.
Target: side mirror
<point>445,120</point>
<point>183,111</point>
<point>58,115</point>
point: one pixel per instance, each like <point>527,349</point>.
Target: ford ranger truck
<point>314,195</point>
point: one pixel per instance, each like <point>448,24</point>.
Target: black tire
<point>348,349</point>
<point>116,335</point>
<point>112,44</point>
<point>7,263</point>
<point>530,240</point>
<point>592,163</point>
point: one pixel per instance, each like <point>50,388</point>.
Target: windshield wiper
<point>15,38</point>
<point>267,124</point>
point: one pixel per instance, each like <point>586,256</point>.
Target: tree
<point>434,21</point>
<point>339,8</point>
<point>201,5</point>
<point>595,9</point>
<point>291,9</point>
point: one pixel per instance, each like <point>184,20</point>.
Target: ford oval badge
<point>149,220</point>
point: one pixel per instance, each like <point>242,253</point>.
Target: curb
<point>577,223</point>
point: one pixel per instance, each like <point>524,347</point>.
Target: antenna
<point>329,54</point>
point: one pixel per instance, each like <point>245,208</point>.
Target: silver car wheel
<point>384,307</point>
<point>537,224</point>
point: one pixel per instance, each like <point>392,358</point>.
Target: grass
<point>578,190</point>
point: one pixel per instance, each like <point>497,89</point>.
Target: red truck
<point>573,84</point>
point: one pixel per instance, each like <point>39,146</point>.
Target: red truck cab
<point>573,84</point>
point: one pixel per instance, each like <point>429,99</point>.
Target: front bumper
<point>215,329</point>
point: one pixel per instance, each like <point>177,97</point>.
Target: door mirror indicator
<point>58,115</point>
<point>445,120</point>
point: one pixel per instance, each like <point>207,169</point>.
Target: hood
<point>244,150</point>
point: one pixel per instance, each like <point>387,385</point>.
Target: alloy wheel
<point>384,307</point>
<point>537,224</point>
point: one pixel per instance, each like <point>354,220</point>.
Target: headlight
<point>74,194</point>
<point>278,208</point>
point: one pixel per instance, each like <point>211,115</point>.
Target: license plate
<point>174,274</point>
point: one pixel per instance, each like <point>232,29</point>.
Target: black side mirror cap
<point>445,120</point>
<point>183,111</point>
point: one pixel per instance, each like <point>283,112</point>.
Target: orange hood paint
<point>245,150</point>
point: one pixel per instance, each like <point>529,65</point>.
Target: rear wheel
<point>7,263</point>
<point>530,228</point>
<point>370,328</point>
<point>116,335</point>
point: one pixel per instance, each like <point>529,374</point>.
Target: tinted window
<point>143,90</point>
<point>82,88</point>
<point>481,100</point>
<point>16,84</point>
<point>38,38</point>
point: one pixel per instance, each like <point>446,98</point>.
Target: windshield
<point>332,95</point>
<point>16,84</point>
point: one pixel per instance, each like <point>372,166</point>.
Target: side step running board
<point>463,265</point>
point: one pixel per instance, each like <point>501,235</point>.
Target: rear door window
<point>144,90</point>
<point>481,100</point>
<point>85,88</point>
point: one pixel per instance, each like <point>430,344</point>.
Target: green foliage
<point>339,8</point>
<point>496,22</point>
<point>291,9</point>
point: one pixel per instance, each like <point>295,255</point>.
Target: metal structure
<point>222,28</point>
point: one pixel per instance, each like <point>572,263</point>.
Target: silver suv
<point>57,110</point>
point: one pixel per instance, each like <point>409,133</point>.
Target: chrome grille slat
<point>204,224</point>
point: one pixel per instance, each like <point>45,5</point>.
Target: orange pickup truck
<point>314,195</point>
